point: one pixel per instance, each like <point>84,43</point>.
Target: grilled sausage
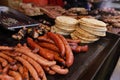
<point>39,59</point>
<point>29,67</point>
<point>59,70</point>
<point>36,65</point>
<point>58,42</point>
<point>42,51</point>
<point>3,61</point>
<point>68,52</point>
<point>15,74</point>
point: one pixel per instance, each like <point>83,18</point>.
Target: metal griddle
<point>86,65</point>
<point>22,20</point>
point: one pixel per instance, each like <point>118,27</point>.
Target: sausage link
<point>39,59</point>
<point>6,77</point>
<point>6,68</point>
<point>45,39</point>
<point>16,75</point>
<point>78,49</point>
<point>59,70</point>
<point>6,48</point>
<point>8,58</point>
<point>68,51</point>
<point>25,73</point>
<point>49,46</point>
<point>41,51</point>
<point>29,67</point>
<point>3,61</point>
<point>36,65</point>
<point>58,42</point>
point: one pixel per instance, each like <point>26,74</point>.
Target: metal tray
<point>15,18</point>
<point>86,65</point>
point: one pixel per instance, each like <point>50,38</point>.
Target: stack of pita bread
<point>89,30</point>
<point>64,25</point>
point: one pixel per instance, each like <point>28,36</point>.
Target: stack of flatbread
<point>64,25</point>
<point>89,30</point>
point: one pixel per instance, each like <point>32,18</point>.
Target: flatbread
<point>84,37</point>
<point>76,37</point>
<point>94,32</point>
<point>93,21</point>
<point>59,31</point>
<point>93,27</point>
<point>85,33</point>
<point>66,20</point>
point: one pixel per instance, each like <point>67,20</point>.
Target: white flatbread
<point>59,31</point>
<point>93,21</point>
<point>94,32</point>
<point>66,20</point>
<point>84,37</point>
<point>93,27</point>
<point>75,37</point>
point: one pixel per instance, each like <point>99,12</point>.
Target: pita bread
<point>66,27</point>
<point>93,21</point>
<point>76,37</point>
<point>59,31</point>
<point>85,33</point>
<point>94,32</point>
<point>84,37</point>
<point>66,20</point>
<point>93,27</point>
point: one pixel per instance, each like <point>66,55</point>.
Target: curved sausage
<point>48,70</point>
<point>49,46</point>
<point>6,77</point>
<point>10,53</point>
<point>6,48</point>
<point>59,70</point>
<point>3,61</point>
<point>36,65</point>
<point>25,74</point>
<point>8,58</point>
<point>41,51</point>
<point>68,51</point>
<point>84,48</point>
<point>6,68</point>
<point>39,59</point>
<point>56,56</point>
<point>29,67</point>
<point>58,42</point>
<point>78,49</point>
<point>15,74</point>
<point>45,39</point>
<point>20,68</point>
